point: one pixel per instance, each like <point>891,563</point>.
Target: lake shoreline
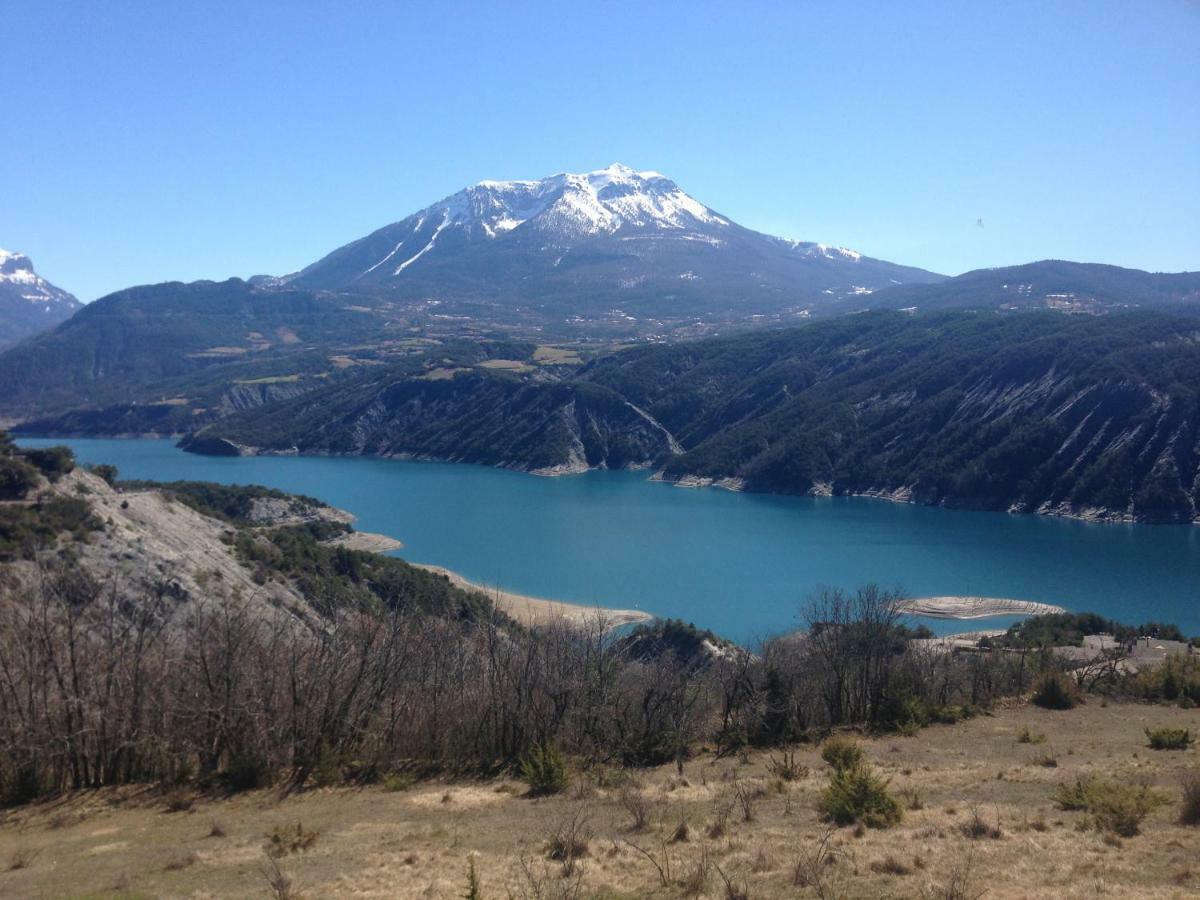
<point>540,611</point>
<point>739,563</point>
<point>736,484</point>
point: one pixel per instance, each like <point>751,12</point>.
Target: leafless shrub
<point>733,890</point>
<point>722,808</point>
<point>535,881</point>
<point>570,840</point>
<point>785,766</point>
<point>635,802</point>
<point>976,827</point>
<point>235,693</point>
<point>216,830</point>
<point>695,882</point>
<point>279,884</point>
<point>682,833</point>
<point>816,864</point>
<point>661,861</point>
<point>959,885</point>
<point>747,795</point>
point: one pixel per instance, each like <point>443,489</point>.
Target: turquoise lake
<point>741,564</point>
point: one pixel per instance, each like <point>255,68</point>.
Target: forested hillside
<point>143,342</point>
<point>1037,412</point>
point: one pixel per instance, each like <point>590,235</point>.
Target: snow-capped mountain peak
<point>16,270</point>
<point>28,302</point>
<point>613,233</point>
<point>568,207</point>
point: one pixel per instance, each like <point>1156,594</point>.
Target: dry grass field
<point>980,821</point>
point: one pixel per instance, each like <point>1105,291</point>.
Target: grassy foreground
<point>980,820</point>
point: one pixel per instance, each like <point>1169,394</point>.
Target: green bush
<point>1115,808</point>
<point>1177,678</point>
<point>1120,808</point>
<point>26,529</point>
<point>1169,738</point>
<point>17,478</point>
<point>857,794</point>
<point>1073,797</point>
<point>842,752</point>
<point>1055,690</point>
<point>53,462</point>
<point>544,770</point>
<point>107,472</point>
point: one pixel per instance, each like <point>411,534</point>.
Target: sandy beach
<point>539,611</point>
<point>975,607</point>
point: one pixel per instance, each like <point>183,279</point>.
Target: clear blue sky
<point>152,141</point>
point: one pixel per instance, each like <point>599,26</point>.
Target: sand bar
<point>366,540</point>
<point>539,611</point>
<point>975,607</point>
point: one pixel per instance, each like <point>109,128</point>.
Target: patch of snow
<point>811,248</point>
<point>385,259</point>
<point>412,259</point>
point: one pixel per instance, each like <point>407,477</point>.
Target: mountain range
<point>29,303</point>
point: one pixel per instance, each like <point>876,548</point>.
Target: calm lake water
<point>741,564</point>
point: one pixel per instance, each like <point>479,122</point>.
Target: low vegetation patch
<point>1113,807</point>
<point>856,794</point>
<point>842,752</point>
<point>285,840</point>
<point>1055,690</point>
<point>25,530</point>
<point>1030,737</point>
<point>1176,679</point>
<point>1169,738</point>
<point>544,770</point>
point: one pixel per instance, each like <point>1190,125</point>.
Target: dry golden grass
<point>972,780</point>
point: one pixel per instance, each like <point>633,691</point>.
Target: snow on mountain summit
<point>16,269</point>
<point>28,302</point>
<point>590,241</point>
<point>568,207</point>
